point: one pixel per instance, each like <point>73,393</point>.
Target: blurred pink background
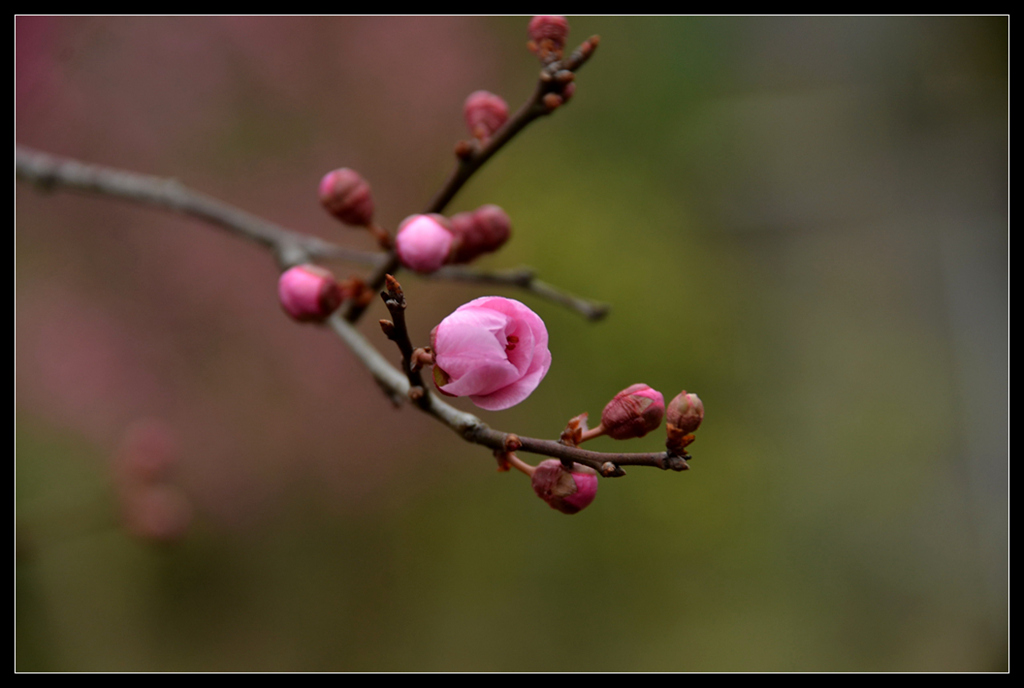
<point>805,220</point>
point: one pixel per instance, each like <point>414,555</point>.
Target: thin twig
<point>396,331</point>
<point>50,172</point>
<point>525,279</point>
<point>553,79</point>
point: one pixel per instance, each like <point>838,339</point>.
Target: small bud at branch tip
<point>485,113</point>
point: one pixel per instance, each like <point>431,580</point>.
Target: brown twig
<point>525,279</point>
<point>396,330</point>
<point>552,81</point>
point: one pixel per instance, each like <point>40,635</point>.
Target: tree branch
<point>553,79</point>
<point>525,279</point>
<point>50,172</point>
<point>410,384</point>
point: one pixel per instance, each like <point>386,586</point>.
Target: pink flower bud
<point>485,113</point>
<point>633,412</point>
<point>346,195</point>
<point>309,293</point>
<point>157,512</point>
<point>483,230</point>
<point>548,33</point>
<point>686,412</point>
<point>424,242</point>
<point>569,492</point>
<point>493,350</point>
<point>148,452</point>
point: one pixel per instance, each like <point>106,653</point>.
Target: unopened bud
<point>547,36</point>
<point>481,231</point>
<point>552,101</point>
<point>424,242</point>
<point>156,512</point>
<point>685,412</point>
<point>309,293</point>
<point>566,491</point>
<point>148,452</point>
<point>346,195</point>
<point>633,412</point>
<point>485,113</point>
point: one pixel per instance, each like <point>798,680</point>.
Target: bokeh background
<point>804,220</point>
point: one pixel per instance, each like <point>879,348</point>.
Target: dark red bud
<point>633,412</point>
<point>485,113</point>
<point>568,492</point>
<point>346,195</point>
<point>548,34</point>
<point>481,231</point>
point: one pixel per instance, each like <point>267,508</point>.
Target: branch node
<point>610,469</point>
<point>512,442</point>
<point>675,462</point>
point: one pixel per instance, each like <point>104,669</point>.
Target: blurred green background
<point>804,220</point>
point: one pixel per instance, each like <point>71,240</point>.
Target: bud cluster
<point>639,409</point>
<point>427,242</point>
<point>492,350</point>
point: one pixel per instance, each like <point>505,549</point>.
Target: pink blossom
<point>423,242</point>
<point>634,412</point>
<point>493,350</point>
<point>686,412</point>
<point>481,231</point>
<point>547,36</point>
<point>309,293</point>
<point>549,27</point>
<point>346,195</point>
<point>485,113</point>
<point>568,492</point>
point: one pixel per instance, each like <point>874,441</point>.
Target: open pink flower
<point>493,350</point>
